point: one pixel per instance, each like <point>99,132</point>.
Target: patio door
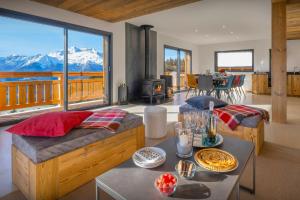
<point>51,65</point>
<point>178,63</point>
<point>88,70</point>
<point>185,68</point>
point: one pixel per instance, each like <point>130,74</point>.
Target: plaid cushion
<point>232,115</point>
<point>110,119</point>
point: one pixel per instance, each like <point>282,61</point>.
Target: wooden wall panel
<point>293,87</point>
<point>260,84</point>
<point>293,21</point>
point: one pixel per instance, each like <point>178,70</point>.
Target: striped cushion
<point>109,119</point>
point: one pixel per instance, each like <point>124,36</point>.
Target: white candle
<point>183,140</point>
<point>183,145</point>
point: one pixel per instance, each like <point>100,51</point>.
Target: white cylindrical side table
<point>155,120</point>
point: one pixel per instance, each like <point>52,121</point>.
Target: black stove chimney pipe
<point>147,28</point>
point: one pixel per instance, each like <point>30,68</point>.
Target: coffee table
<point>129,182</point>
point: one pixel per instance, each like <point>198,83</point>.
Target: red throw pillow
<point>52,124</point>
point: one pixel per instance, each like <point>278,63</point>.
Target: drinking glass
<point>197,122</point>
<point>178,125</point>
<point>187,119</point>
<point>184,142</point>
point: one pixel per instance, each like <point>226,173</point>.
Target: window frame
<point>236,68</point>
<point>178,49</point>
<point>66,27</point>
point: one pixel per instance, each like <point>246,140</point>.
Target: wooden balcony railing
<point>23,94</point>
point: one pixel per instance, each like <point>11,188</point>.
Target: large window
<point>34,65</point>
<point>87,69</point>
<point>235,61</point>
<point>178,63</point>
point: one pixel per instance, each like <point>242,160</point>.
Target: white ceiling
<point>213,21</point>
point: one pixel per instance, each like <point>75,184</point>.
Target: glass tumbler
<point>184,142</point>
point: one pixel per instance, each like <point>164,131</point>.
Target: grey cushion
<point>40,149</point>
<point>202,102</point>
<point>251,122</point>
<point>187,108</point>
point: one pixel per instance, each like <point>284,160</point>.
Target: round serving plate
<point>149,157</point>
<point>220,141</point>
<point>149,166</point>
<point>216,160</point>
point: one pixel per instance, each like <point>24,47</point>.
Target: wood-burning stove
<point>168,85</point>
<point>154,88</point>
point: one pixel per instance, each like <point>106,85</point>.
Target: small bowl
<point>186,173</point>
<point>166,191</point>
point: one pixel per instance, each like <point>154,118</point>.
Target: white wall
<point>118,30</point>
<point>293,55</point>
<point>167,40</point>
<point>261,55</point>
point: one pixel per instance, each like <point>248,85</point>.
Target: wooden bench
<point>55,177</point>
<point>255,135</point>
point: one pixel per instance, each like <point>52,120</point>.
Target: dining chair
<point>205,84</point>
<point>235,85</point>
<point>191,83</point>
<point>241,85</point>
<point>226,88</point>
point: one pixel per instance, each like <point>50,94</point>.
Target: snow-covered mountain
<point>80,59</point>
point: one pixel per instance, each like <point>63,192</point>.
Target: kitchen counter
<point>261,83</point>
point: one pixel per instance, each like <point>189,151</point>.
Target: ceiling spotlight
<point>231,32</point>
<point>223,26</point>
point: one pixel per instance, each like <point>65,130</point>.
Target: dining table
<point>218,80</point>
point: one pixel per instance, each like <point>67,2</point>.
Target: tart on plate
<point>216,160</point>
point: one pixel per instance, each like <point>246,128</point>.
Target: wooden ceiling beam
<point>115,10</point>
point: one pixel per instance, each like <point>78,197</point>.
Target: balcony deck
<point>38,92</point>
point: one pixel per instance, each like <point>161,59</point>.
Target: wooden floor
<point>277,168</point>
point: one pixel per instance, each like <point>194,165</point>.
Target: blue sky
<point>170,53</point>
<point>28,38</point>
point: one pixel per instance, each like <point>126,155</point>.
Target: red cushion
<point>50,124</point>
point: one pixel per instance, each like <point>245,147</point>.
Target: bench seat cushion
<point>40,149</point>
<point>251,122</point>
